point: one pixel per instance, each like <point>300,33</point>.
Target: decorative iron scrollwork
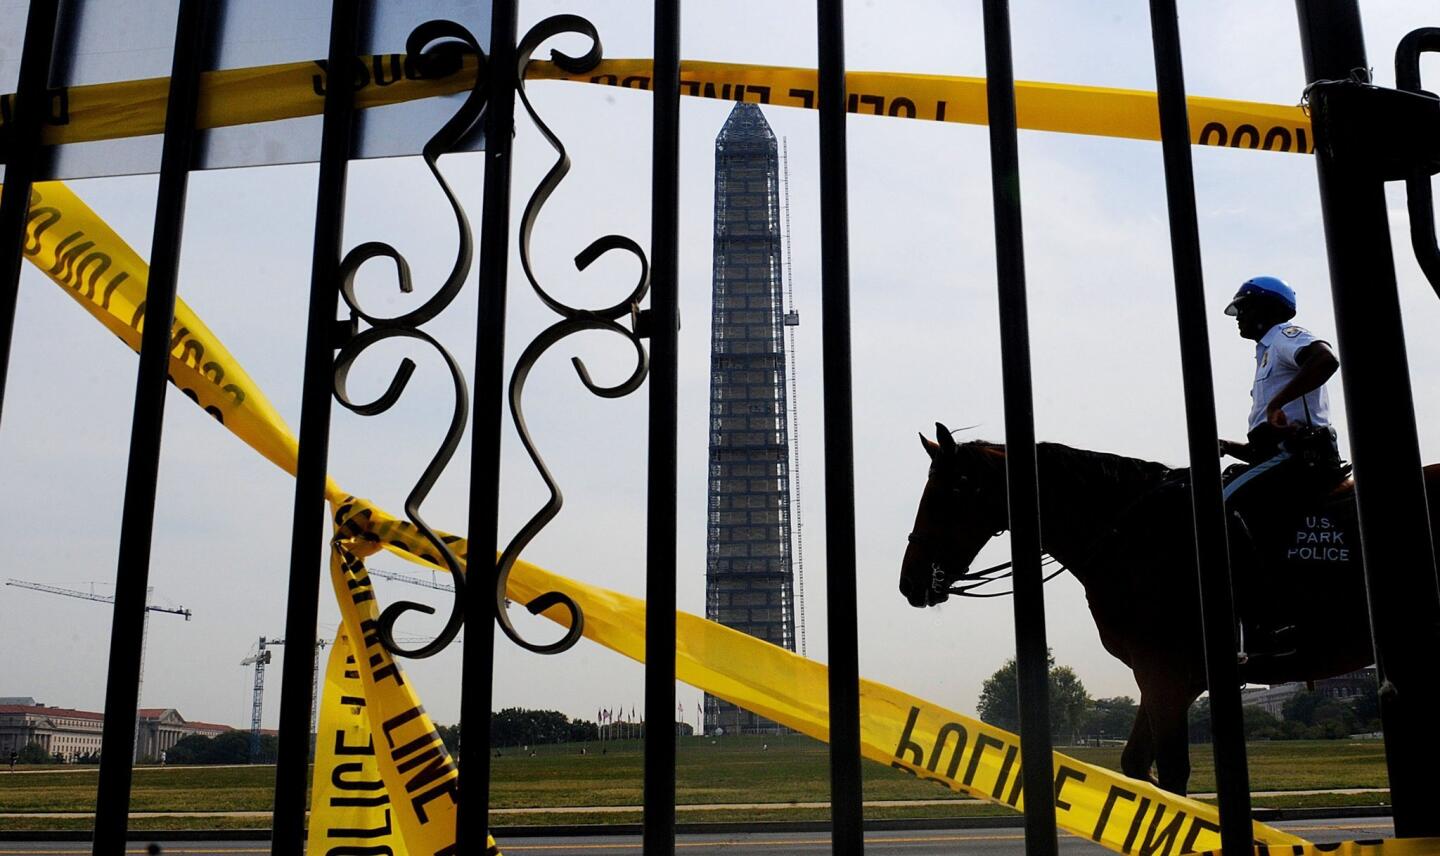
<point>1417,185</point>
<point>572,320</point>
<point>437,49</point>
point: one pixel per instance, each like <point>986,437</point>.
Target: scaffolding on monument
<point>750,584</point>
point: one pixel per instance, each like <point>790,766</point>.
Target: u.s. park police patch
<point>1292,331</point>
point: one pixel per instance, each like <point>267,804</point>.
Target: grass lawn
<point>154,789</point>
<point>1279,765</point>
<point>797,770</point>
<point>734,770</point>
<point>32,824</point>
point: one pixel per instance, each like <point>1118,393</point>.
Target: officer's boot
<point>1256,601</point>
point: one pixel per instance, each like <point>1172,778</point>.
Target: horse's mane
<point>1087,464</point>
<point>1097,472</point>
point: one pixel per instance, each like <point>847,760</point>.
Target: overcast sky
<point>1106,363</point>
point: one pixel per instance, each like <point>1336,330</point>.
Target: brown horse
<point>1122,527</point>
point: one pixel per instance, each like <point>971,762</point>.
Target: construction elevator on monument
<point>750,571</point>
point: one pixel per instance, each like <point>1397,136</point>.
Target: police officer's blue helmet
<point>1266,287</point>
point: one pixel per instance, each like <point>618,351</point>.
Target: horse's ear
<point>942,434</point>
<point>931,448</point>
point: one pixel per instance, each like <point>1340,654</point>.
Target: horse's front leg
<point>1139,752</point>
<point>1170,724</point>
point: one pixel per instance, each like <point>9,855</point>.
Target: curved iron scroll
<point>1417,184</point>
<point>436,48</point>
<point>573,320</point>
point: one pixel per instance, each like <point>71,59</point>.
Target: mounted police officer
<point>1291,446</point>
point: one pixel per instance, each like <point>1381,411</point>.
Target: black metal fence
<point>1405,606</point>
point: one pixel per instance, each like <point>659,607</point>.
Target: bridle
<point>968,580</point>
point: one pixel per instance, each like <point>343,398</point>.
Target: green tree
<point>1301,707</point>
<point>1111,718</point>
<point>1324,717</point>
<point>518,726</point>
<point>1259,724</point>
<point>1069,703</point>
<point>189,750</point>
<point>34,753</point>
<point>450,736</point>
<point>230,747</point>
<point>1199,721</point>
<point>582,730</point>
<point>1367,708</point>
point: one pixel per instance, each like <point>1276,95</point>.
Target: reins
<point>971,580</point>
<point>985,576</point>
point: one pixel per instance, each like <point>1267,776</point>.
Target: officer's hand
<point>1229,447</point>
<point>1277,418</point>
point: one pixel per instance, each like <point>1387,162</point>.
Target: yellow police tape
<point>1096,110</point>
<point>136,108</point>
<point>1369,847</point>
<point>132,108</point>
<point>383,778</point>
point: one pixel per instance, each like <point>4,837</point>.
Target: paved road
<point>1000,842</point>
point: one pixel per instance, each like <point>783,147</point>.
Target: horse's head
<point>963,507</point>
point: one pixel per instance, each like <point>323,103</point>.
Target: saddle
<point>1291,561</point>
<point>1288,559</point>
<point>1319,526</point>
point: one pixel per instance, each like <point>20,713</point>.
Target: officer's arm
<point>1237,450</point>
<point>1317,362</point>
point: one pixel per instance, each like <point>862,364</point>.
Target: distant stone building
<point>162,727</point>
<point>58,730</point>
<point>73,734</point>
<point>1341,688</point>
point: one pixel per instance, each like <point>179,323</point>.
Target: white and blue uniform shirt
<point>1275,367</point>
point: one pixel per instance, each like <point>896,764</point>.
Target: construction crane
<point>102,598</point>
<point>424,640</point>
<point>414,581</point>
<point>260,659</point>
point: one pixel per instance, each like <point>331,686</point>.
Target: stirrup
<point>1284,647</point>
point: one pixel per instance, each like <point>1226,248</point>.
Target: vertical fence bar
<point>1400,575</point>
<point>1207,505</point>
<point>1032,655</point>
<point>21,141</point>
<point>308,533</point>
<point>472,820</point>
<point>847,833</point>
<point>659,837</point>
<point>118,744</point>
